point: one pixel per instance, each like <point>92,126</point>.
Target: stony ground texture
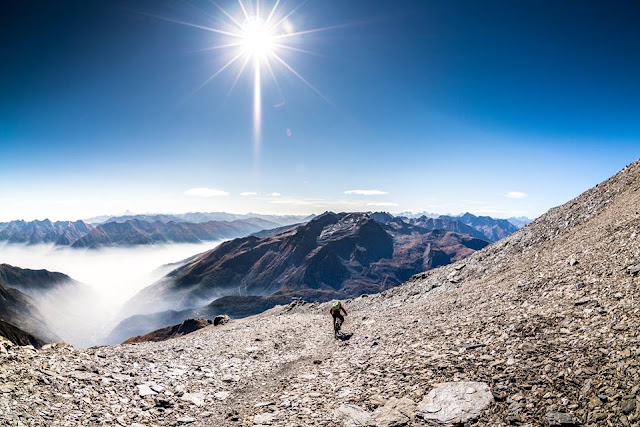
<point>548,319</point>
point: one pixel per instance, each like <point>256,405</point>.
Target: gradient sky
<point>501,108</point>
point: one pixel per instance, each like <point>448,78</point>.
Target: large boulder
<point>455,402</point>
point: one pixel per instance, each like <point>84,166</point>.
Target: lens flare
<point>260,40</point>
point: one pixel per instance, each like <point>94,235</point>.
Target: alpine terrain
<point>539,328</point>
<point>332,256</point>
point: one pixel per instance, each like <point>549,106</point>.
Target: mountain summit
<point>332,256</point>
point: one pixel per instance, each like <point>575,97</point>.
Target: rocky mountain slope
<point>539,329</point>
<point>333,255</point>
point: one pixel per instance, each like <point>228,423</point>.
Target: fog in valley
<point>83,314</point>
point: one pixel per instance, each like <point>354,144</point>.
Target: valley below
<point>110,277</point>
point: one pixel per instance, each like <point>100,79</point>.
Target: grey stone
<point>145,390</point>
<point>195,398</point>
<point>455,402</point>
<point>353,415</point>
<point>265,418</point>
<point>559,419</point>
<point>395,413</point>
<point>627,406</point>
<point>221,320</point>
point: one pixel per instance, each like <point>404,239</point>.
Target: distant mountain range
<point>332,256</point>
<point>198,217</point>
<point>34,232</point>
<point>79,234</point>
<point>138,232</point>
<point>194,227</point>
<point>492,229</point>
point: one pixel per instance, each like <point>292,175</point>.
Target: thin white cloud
<point>274,194</point>
<point>205,192</point>
<point>383,204</point>
<point>366,192</point>
<point>516,195</point>
<point>248,193</point>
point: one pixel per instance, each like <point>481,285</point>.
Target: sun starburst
<point>257,39</point>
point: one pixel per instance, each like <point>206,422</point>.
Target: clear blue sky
<point>501,108</point>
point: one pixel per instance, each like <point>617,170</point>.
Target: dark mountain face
<point>138,232</point>
<point>20,311</point>
<point>18,336</point>
<point>34,232</point>
<point>40,301</point>
<point>332,256</point>
<point>492,229</point>
<point>29,281</point>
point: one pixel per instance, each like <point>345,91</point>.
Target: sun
<point>260,36</point>
<point>258,39</point>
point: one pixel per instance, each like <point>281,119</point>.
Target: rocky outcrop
<point>184,328</point>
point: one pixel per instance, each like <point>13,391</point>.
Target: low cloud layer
<point>112,275</point>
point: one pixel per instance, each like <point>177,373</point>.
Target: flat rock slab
<point>353,415</point>
<point>455,402</point>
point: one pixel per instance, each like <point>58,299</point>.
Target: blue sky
<point>501,108</point>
